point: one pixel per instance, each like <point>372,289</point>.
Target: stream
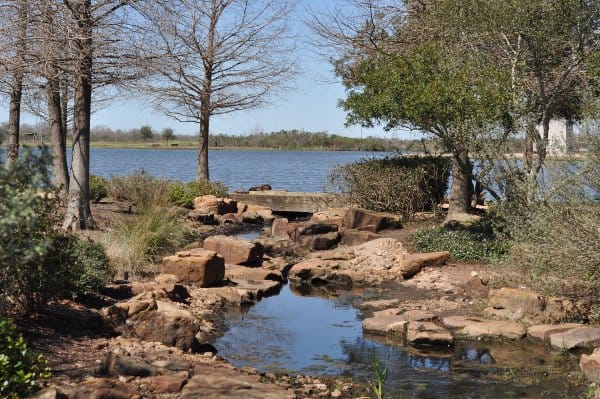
<point>296,333</point>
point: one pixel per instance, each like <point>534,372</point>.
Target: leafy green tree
<point>168,134</point>
<point>146,133</point>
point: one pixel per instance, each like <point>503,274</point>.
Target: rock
<point>317,271</point>
<point>262,187</point>
<point>251,218</point>
<point>279,229</point>
<point>413,263</point>
<point>47,393</point>
<point>220,383</point>
<point>317,229</point>
<point>169,324</point>
<point>212,204</point>
<point>236,252</point>
<point>175,364</point>
<point>116,365</point>
<point>202,217</point>
<point>166,383</point>
<point>508,329</point>
<point>235,272</point>
<point>352,237</point>
<point>229,218</point>
<point>460,321</point>
<point>544,331</point>
<point>321,242</point>
<point>257,289</point>
<point>581,337</point>
<point>418,315</point>
<point>198,266</point>
<point>516,302</point>
<point>475,288</point>
<point>165,278</point>
<point>390,324</point>
<point>361,218</point>
<point>590,365</point>
<point>101,388</point>
<point>428,333</point>
<point>380,304</point>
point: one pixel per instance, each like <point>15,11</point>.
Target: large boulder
<point>528,306</point>
<point>363,219</point>
<point>318,271</point>
<point>544,331</point>
<point>116,365</point>
<point>413,263</point>
<point>198,266</point>
<point>590,365</point>
<point>235,252</point>
<point>211,204</point>
<point>581,337</point>
<point>352,237</point>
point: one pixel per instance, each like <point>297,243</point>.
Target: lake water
<point>238,169</point>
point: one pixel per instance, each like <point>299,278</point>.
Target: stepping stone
<point>581,337</point>
<point>427,333</point>
<point>508,329</point>
<point>544,331</point>
<point>385,324</point>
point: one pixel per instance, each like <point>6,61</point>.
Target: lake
<point>238,169</point>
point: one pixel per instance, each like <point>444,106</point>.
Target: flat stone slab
<point>237,272</point>
<point>576,338</point>
<point>385,324</point>
<point>286,201</point>
<point>460,321</point>
<point>259,288</point>
<point>428,333</point>
<point>544,331</point>
<point>495,328</point>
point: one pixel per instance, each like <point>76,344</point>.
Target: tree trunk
<point>60,175</point>
<point>461,191</point>
<point>79,215</point>
<point>203,143</point>
<point>16,90</point>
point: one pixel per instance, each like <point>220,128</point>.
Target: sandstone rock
<point>236,252</point>
<point>251,218</point>
<point>169,325</point>
<point>198,266</point>
<point>116,365</point>
<point>544,331</point>
<point>317,271</point>
<point>352,237</point>
<point>101,388</point>
<point>165,278</point>
<point>166,383</point>
<point>317,229</point>
<point>590,365</point>
<point>257,289</point>
<point>213,204</point>
<point>361,218</point>
<point>321,242</point>
<point>279,229</point>
<point>235,272</point>
<point>175,364</point>
<point>262,187</point>
<point>413,263</point>
<point>427,333</point>
<point>418,315</point>
<point>576,338</point>
<point>221,383</point>
<point>390,324</point>
<point>202,217</point>
<point>229,218</point>
<point>380,304</point>
<point>475,288</point>
<point>460,321</point>
<point>516,302</point>
<point>508,329</point>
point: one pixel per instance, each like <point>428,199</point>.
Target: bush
<point>20,368</point>
<point>402,185</point>
<point>37,262</point>
<point>183,194</point>
<point>478,242</point>
<point>133,242</point>
<point>98,188</point>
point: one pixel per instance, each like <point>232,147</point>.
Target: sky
<point>310,106</point>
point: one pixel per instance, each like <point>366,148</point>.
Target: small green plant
<point>183,194</point>
<point>98,188</point>
<point>381,374</point>
<point>478,242</point>
<point>20,369</point>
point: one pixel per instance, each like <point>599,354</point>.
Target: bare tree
<point>16,17</point>
<point>212,57</point>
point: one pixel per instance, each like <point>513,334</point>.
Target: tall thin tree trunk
<point>16,90</point>
<point>79,214</point>
<point>60,176</point>
<point>203,144</point>
<point>461,190</point>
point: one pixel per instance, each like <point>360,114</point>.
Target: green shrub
<point>478,242</point>
<point>183,194</point>
<point>136,241</point>
<point>98,188</point>
<point>20,368</point>
<point>37,262</point>
<point>402,185</point>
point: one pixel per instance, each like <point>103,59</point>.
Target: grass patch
<point>477,242</point>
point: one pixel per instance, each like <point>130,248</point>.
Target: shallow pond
<point>295,334</point>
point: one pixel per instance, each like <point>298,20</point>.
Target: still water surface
<point>238,169</point>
